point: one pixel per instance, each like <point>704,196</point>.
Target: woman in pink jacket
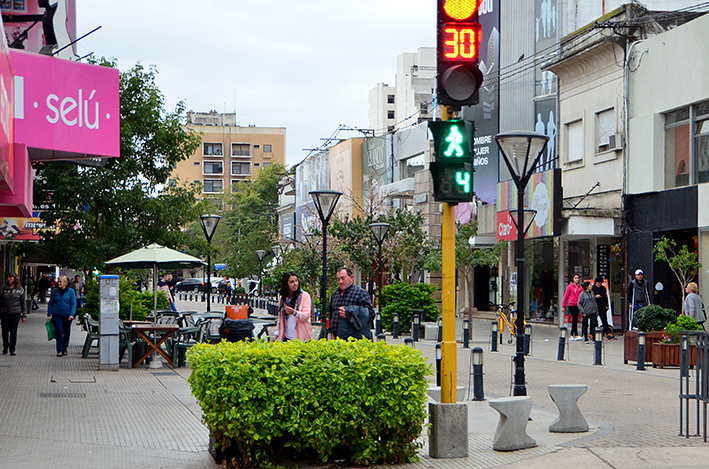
<point>571,299</point>
<point>293,311</point>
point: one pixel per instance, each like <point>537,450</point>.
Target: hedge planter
<point>630,339</point>
<point>314,401</point>
<point>668,355</point>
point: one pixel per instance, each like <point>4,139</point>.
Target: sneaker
<point>59,354</point>
<point>610,337</point>
<point>587,342</point>
<point>64,352</point>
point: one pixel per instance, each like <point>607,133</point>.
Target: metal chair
<point>92,333</point>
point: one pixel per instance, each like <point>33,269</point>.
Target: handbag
<point>51,333</point>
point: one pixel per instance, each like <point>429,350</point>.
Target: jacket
<point>571,296</point>
<point>13,301</point>
<point>62,303</point>
<point>694,307</point>
<point>638,293</point>
<point>355,324</point>
<point>587,304</point>
<point>303,328</point>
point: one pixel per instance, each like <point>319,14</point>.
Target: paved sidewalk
<point>65,413</point>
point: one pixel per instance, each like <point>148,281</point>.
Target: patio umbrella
<point>155,256</point>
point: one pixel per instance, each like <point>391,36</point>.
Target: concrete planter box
<point>630,339</point>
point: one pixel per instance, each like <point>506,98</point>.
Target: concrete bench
<point>511,433</point>
<point>570,419</point>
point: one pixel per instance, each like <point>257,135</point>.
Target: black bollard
<point>466,333</point>
<point>378,323</point>
<point>527,338</point>
<point>439,358</point>
<point>641,352</point>
<point>381,338</point>
<point>598,344</point>
<point>684,358</point>
<point>493,336</point>
<point>478,392</point>
<point>562,342</point>
<point>408,341</point>
<point>395,327</point>
<point>440,330</point>
<point>415,326</point>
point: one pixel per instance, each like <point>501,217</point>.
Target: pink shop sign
<point>64,109</point>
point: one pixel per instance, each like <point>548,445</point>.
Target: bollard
<point>466,333</point>
<point>381,338</point>
<point>493,336</point>
<point>527,338</point>
<point>641,352</point>
<point>415,326</point>
<point>378,323</point>
<point>408,341</point>
<point>478,393</point>
<point>440,330</point>
<point>395,327</point>
<point>684,358</point>
<point>439,358</point>
<point>190,296</point>
<point>598,344</point>
<point>562,342</point>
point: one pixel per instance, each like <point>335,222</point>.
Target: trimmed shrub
<point>402,298</point>
<point>654,318</point>
<point>313,401</point>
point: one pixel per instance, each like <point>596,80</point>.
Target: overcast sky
<point>306,65</point>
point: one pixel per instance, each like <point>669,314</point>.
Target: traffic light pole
<point>448,345</point>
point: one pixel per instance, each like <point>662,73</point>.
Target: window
<point>212,149</point>
<point>411,165</point>
<point>267,148</point>
<point>241,149</point>
<point>605,127</point>
<point>172,182</point>
<point>390,114</point>
<point>213,185</point>
<point>687,146</point>
<point>266,164</point>
<point>390,99</point>
<point>16,5</point>
<point>574,132</point>
<point>213,167</point>
<point>240,168</point>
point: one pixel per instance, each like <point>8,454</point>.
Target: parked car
<point>191,284</point>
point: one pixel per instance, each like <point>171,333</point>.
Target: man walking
<point>638,295</point>
<point>351,309</point>
<point>78,286</point>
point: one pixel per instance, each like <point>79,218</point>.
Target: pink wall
<point>6,150</point>
<point>18,201</point>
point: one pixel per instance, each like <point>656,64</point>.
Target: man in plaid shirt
<point>348,294</point>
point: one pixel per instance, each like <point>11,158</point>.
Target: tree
<point>408,246</point>
<point>683,263</point>
<point>103,212</point>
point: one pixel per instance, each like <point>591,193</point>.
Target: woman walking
<point>693,304</point>
<point>61,311</point>
<point>13,309</point>
<point>293,311</point>
<point>571,299</point>
<point>589,311</point>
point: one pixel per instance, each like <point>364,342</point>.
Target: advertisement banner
<point>24,229</point>
<point>311,174</point>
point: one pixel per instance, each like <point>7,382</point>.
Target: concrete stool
<point>511,433</point>
<point>570,419</point>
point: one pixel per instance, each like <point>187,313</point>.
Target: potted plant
<point>666,352</point>
<point>651,320</point>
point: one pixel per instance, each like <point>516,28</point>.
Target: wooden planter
<point>630,339</point>
<point>668,355</point>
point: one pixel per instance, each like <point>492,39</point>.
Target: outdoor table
<point>144,330</point>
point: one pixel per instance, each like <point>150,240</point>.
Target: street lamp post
<point>521,151</point>
<point>379,230</point>
<point>276,251</point>
<point>260,254</point>
<point>325,201</point>
<point>209,226</point>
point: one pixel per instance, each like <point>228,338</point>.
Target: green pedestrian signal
<point>454,139</point>
<point>452,168</point>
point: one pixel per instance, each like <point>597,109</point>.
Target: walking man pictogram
<point>455,138</point>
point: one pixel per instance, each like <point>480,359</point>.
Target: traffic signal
<point>452,170</point>
<point>459,37</point>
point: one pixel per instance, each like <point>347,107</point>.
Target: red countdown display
<point>461,42</point>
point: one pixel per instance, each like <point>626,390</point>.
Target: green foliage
<point>673,331</point>
<point>654,318</point>
<point>312,400</point>
<point>683,263</point>
<point>142,301</point>
<point>402,298</point>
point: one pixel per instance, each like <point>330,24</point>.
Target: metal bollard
<point>527,338</point>
<point>562,342</point>
<point>478,392</point>
<point>381,338</point>
<point>440,330</point>
<point>395,327</point>
<point>493,336</point>
<point>439,358</point>
<point>466,333</point>
<point>378,323</point>
<point>415,326</point>
<point>598,344</point>
<point>641,352</point>
<point>408,341</point>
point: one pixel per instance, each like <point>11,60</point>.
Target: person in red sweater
<point>571,299</point>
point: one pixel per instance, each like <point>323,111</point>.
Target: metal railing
<point>694,389</point>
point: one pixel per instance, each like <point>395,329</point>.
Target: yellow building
<point>229,153</point>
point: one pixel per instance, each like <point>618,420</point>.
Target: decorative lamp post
<point>260,254</point>
<point>521,151</point>
<point>325,201</point>
<point>379,230</point>
<point>277,251</point>
<point>209,226</point>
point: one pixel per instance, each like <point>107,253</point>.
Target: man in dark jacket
<point>638,295</point>
<point>348,295</point>
<point>601,295</point>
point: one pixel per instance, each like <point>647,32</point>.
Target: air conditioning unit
<point>615,142</point>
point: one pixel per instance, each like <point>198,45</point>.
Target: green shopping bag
<point>51,333</point>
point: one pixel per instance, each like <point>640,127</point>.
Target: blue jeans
<point>9,331</point>
<point>62,327</point>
